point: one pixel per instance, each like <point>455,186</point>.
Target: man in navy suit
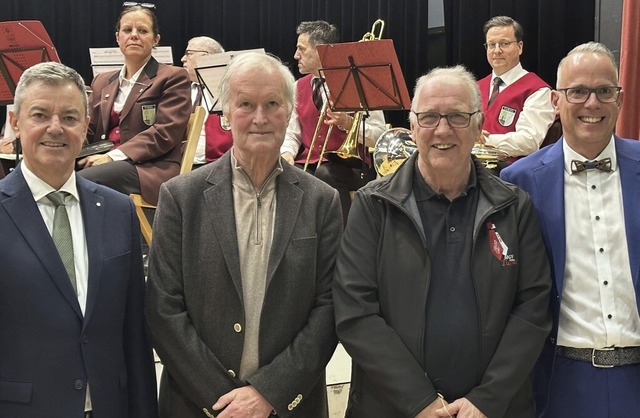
<point>72,337</point>
<point>586,188</point>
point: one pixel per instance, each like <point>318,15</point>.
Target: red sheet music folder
<point>363,75</point>
<point>22,44</point>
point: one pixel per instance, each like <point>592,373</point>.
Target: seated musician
<point>143,108</point>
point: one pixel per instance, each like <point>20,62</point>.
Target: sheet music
<point>111,59</point>
<point>209,70</point>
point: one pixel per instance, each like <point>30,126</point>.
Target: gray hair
<point>451,76</point>
<point>51,74</point>
<point>270,64</point>
<point>207,44</point>
<point>501,21</point>
<point>319,32</point>
<point>589,48</point>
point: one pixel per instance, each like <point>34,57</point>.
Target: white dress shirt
<point>200,156</point>
<point>598,306</point>
<point>126,85</point>
<point>533,123</point>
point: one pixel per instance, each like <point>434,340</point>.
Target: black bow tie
<point>602,165</point>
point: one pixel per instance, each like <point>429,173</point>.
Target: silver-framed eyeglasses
<point>455,119</point>
<point>189,52</point>
<point>503,45</point>
<point>579,95</point>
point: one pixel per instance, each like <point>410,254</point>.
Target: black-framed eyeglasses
<point>134,3</point>
<point>189,52</point>
<point>503,45</point>
<point>579,95</point>
<point>455,119</point>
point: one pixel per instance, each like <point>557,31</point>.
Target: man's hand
<point>288,157</point>
<point>243,402</point>
<point>461,408</point>
<point>431,410</point>
<point>97,159</point>
<point>342,120</point>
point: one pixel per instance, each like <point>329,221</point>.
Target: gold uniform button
<point>290,407</point>
<point>237,327</point>
<point>207,413</point>
<point>231,373</point>
<point>299,397</point>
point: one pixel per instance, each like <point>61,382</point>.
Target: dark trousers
<point>344,179</point>
<point>118,175</point>
<point>579,390</point>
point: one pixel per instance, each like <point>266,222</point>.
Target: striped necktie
<point>496,89</point>
<point>62,235</point>
<point>316,93</point>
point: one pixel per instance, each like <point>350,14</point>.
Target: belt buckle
<point>593,358</point>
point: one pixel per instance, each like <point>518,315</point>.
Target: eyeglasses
<point>455,119</point>
<point>190,52</point>
<point>503,45</point>
<point>133,3</point>
<point>579,95</point>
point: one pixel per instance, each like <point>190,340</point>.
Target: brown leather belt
<point>602,357</point>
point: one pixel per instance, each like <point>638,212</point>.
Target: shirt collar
<point>40,189</point>
<point>134,78</point>
<point>608,152</point>
<point>510,76</point>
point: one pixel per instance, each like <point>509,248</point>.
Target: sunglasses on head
<point>133,3</point>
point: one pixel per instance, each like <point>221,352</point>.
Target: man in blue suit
<point>586,188</point>
<point>72,335</point>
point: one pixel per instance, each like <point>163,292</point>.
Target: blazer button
<point>237,327</point>
<point>231,373</point>
<point>290,407</point>
<point>78,384</point>
<point>84,339</point>
<point>207,413</point>
<point>103,136</point>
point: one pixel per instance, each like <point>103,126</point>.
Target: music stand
<point>22,44</point>
<point>362,76</point>
<point>209,71</point>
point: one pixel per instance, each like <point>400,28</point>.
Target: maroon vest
<point>501,117</point>
<point>308,116</point>
<point>218,140</point>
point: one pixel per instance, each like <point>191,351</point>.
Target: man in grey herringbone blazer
<point>239,301</point>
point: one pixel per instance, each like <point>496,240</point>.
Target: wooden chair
<point>190,143</point>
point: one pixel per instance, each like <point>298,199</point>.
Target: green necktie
<point>62,235</point>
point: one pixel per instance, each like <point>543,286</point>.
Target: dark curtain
<point>628,125</point>
<point>551,28</point>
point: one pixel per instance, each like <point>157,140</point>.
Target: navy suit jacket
<point>48,349</point>
<point>542,175</point>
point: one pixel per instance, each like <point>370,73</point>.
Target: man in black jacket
<point>442,284</point>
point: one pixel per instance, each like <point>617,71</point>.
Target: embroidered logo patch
<point>498,248</point>
<point>507,116</point>
<point>149,114</point>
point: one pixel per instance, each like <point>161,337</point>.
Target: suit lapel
<point>218,199</point>
<point>91,205</point>
<point>288,203</point>
<point>107,98</point>
<point>549,179</point>
<point>24,212</point>
<point>628,158</point>
<point>142,84</point>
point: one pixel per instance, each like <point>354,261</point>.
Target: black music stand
<point>363,76</point>
<point>22,44</point>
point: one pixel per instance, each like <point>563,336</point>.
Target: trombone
<point>348,151</point>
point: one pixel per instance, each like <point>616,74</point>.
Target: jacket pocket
<point>15,391</point>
